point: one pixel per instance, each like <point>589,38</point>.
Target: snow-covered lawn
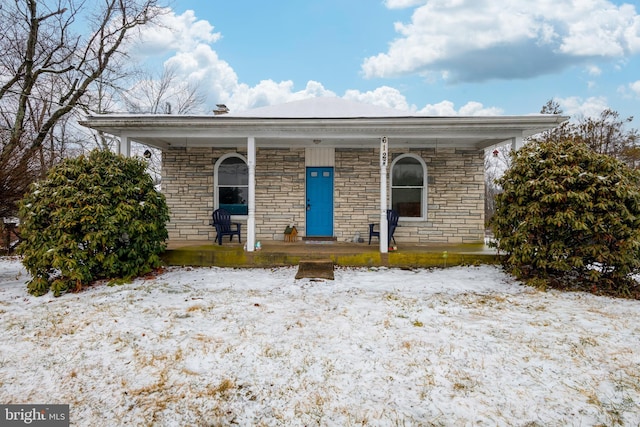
<point>380,347</point>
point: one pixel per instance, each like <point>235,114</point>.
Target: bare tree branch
<point>165,93</point>
<point>48,71</point>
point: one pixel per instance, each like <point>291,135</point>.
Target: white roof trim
<point>334,121</point>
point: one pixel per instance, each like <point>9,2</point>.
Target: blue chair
<point>392,221</point>
<point>221,220</point>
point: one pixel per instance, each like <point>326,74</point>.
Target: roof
<point>331,122</point>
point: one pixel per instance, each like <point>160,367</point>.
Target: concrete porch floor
<point>279,253</point>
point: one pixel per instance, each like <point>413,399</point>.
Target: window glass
<point>407,201</point>
<point>233,171</point>
<point>408,172</point>
<point>407,187</point>
<point>233,188</point>
<point>234,199</point>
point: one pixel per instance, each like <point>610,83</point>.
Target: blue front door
<point>320,202</point>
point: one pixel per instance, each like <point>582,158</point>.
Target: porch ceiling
<point>166,131</point>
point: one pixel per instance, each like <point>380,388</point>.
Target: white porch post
<point>517,143</point>
<point>384,231</point>
<point>124,147</point>
<point>251,220</point>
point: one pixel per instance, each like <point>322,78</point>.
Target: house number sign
<point>384,151</point>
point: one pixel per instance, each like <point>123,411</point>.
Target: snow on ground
<point>381,347</point>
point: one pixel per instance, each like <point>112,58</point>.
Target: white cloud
<point>635,87</point>
<point>594,70</point>
<point>403,4</point>
<point>577,107</point>
<point>383,96</point>
<point>172,32</point>
<point>186,43</point>
<point>447,108</point>
<point>203,66</point>
<point>632,32</point>
<point>268,92</point>
<point>479,40</point>
<point>189,41</point>
<point>473,108</point>
<point>444,108</point>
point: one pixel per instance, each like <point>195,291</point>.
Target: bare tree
<point>551,107</point>
<point>105,96</point>
<point>605,134</point>
<point>47,71</point>
<point>165,94</point>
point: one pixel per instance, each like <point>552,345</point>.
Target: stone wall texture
<point>455,194</point>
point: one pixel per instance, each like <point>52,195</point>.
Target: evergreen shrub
<point>93,217</point>
<point>570,218</point>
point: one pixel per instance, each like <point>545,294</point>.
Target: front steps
<point>315,269</point>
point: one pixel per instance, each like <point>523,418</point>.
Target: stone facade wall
<point>455,199</point>
<point>187,182</point>
<point>280,192</point>
<point>356,192</point>
<point>455,194</point>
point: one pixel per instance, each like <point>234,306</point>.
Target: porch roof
<point>324,122</point>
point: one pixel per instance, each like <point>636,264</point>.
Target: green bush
<point>93,217</point>
<point>570,218</point>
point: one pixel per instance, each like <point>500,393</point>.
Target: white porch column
<point>251,220</point>
<point>124,147</point>
<point>517,143</point>
<point>384,230</point>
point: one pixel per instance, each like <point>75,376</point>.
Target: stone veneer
<point>455,194</point>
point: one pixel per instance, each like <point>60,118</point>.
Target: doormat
<point>319,242</point>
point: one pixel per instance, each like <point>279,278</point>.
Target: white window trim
<point>424,186</point>
<point>216,203</point>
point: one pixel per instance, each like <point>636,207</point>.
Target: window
<point>232,184</point>
<point>408,189</point>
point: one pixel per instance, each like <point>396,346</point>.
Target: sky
<point>463,346</point>
<point>433,57</point>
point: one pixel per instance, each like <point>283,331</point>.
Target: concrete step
<point>315,269</point>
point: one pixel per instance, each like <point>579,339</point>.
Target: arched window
<point>232,184</point>
<point>408,186</point>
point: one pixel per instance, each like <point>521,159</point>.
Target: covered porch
<point>329,167</point>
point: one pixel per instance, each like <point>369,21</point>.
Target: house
<point>326,165</point>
